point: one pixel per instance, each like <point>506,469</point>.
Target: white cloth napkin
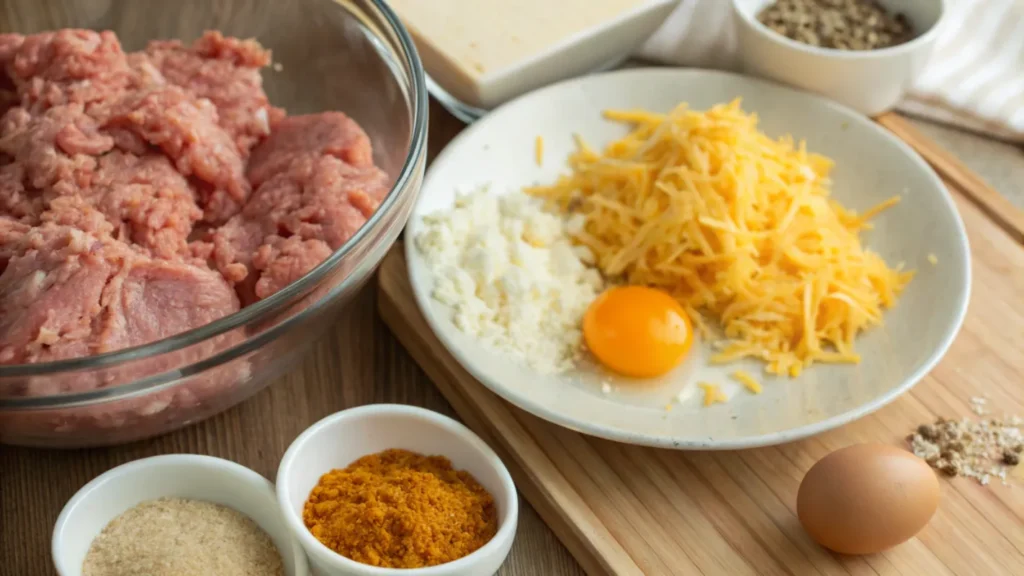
<point>974,78</point>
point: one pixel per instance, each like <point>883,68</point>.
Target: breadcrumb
<point>979,449</point>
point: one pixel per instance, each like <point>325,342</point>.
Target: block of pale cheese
<point>485,52</point>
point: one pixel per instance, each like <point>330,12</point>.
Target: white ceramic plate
<point>871,166</point>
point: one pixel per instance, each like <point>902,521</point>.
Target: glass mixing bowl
<point>348,55</point>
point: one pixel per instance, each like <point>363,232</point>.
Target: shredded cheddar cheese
<point>932,259</point>
<point>538,150</point>
<point>748,381</point>
<point>712,394</point>
<point>738,227</point>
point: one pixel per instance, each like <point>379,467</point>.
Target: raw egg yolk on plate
<point>637,331</point>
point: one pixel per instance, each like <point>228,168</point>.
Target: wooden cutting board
<point>629,510</point>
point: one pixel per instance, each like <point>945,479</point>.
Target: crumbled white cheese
<point>508,270</point>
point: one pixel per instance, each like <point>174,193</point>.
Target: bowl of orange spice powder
<point>388,489</point>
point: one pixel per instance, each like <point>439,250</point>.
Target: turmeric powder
<point>399,509</point>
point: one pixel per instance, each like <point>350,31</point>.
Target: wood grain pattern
<point>625,509</point>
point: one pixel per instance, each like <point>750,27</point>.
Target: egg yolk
<point>637,331</point>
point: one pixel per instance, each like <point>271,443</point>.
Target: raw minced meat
<point>17,202</point>
<point>225,71</point>
<point>319,201</point>
<point>145,194</point>
<point>186,129</point>
<point>281,261</point>
<point>11,232</point>
<point>65,67</point>
<point>57,149</point>
<point>150,203</point>
<point>67,293</point>
<point>310,136</point>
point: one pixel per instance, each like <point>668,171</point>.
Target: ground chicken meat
<point>9,44</point>
<point>226,71</point>
<point>67,293</point>
<point>56,149</point>
<point>310,136</point>
<point>281,261</point>
<point>16,202</point>
<point>77,213</point>
<point>65,67</point>
<point>11,232</point>
<point>51,292</point>
<point>149,202</point>
<point>161,298</point>
<point>186,130</point>
<point>8,93</point>
<point>321,202</point>
<point>125,208</point>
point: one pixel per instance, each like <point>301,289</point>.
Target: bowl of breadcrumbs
<point>176,515</point>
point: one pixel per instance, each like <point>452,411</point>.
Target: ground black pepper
<point>838,24</point>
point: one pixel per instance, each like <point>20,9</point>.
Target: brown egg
<point>866,498</point>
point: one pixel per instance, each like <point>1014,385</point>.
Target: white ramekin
<point>340,439</point>
<point>869,81</point>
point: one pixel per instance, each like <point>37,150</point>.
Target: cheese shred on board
<point>738,227</point>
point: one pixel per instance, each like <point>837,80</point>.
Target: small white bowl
<point>172,476</point>
<point>869,81</point>
<point>342,438</point>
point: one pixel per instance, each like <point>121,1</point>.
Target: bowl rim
<point>234,470</point>
<point>419,104</point>
<point>922,39</point>
<point>506,528</point>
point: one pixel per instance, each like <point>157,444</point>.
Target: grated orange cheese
<point>738,227</point>
<point>712,394</point>
<point>748,381</point>
<point>538,150</point>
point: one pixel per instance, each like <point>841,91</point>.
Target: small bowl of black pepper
<point>861,53</point>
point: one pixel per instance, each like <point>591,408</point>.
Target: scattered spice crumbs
<point>978,405</point>
<point>981,449</point>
